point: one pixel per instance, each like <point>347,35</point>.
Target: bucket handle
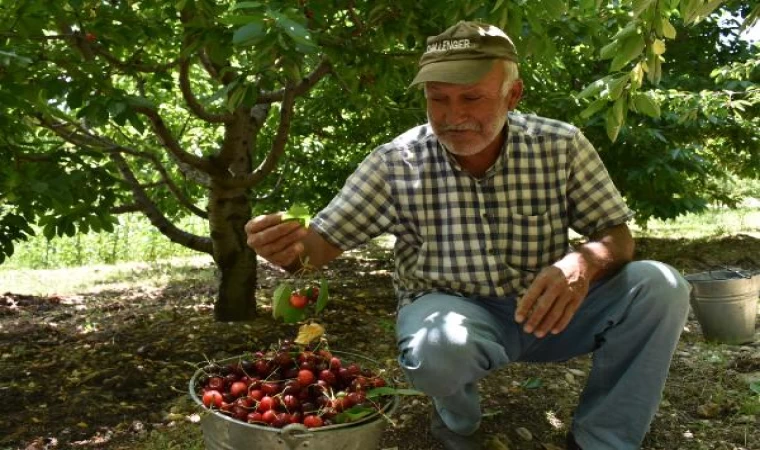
<point>294,434</point>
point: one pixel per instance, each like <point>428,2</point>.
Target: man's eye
<point>472,98</point>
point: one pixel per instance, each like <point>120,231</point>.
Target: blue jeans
<point>631,322</point>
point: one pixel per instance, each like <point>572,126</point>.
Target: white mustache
<point>461,127</point>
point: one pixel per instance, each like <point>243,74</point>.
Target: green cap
<point>464,53</point>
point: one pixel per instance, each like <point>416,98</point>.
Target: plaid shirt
<point>471,236</point>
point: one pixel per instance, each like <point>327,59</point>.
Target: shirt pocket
<point>529,240</point>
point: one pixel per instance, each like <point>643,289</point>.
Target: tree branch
<point>173,188</point>
<point>130,66</point>
<point>278,146</point>
<point>192,101</point>
<point>167,140</point>
<point>323,69</point>
<point>125,209</point>
<point>166,227</point>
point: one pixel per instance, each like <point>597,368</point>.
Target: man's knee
<point>667,291</point>
<point>442,349</point>
<point>436,355</point>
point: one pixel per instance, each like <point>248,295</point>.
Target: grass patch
<point>104,277</point>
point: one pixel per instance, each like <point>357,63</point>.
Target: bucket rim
<point>387,409</point>
<point>721,274</point>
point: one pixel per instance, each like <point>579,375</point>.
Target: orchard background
<point>182,119</point>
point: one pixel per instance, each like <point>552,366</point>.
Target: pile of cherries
<point>291,384</point>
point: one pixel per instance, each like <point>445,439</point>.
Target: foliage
<point>173,108</point>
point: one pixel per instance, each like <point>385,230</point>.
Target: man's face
<point>467,118</point>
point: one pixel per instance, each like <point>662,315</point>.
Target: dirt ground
<point>106,369</point>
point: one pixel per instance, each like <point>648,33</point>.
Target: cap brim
<point>467,71</point>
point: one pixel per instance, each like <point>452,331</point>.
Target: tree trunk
<point>228,211</point>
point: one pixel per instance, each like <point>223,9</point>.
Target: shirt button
<point>484,215</point>
<point>491,251</point>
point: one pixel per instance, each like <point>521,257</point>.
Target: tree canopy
<point>224,109</point>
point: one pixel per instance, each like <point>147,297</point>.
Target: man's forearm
<point>604,253</point>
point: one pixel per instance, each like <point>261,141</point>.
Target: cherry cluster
<point>292,384</point>
<point>305,296</point>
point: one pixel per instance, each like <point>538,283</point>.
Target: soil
<point>103,369</point>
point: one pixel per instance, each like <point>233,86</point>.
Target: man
<point>480,201</point>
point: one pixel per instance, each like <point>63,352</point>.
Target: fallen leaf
<point>309,332</point>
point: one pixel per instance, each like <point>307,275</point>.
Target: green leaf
<point>354,413</point>
<point>532,383</point>
<point>249,34</point>
<point>8,57</point>
<point>668,30</point>
<point>639,6</point>
<point>497,5</point>
<point>594,108</point>
<point>755,387</point>
<point>143,102</point>
<point>630,48</point>
<point>292,315</point>
<point>619,109</point>
<point>595,87</point>
<point>646,105</point>
<point>281,299</point>
<point>295,30</point>
<point>323,296</point>
<point>609,50</point>
<point>616,86</point>
<point>245,5</point>
<point>612,125</point>
<point>298,212</point>
<point>387,390</point>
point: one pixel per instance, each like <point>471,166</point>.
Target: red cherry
<point>90,37</point>
<point>312,421</point>
<point>298,301</point>
<point>266,404</point>
<point>335,363</point>
<point>291,402</point>
<point>268,416</point>
<point>254,417</point>
<point>271,388</point>
<point>281,420</point>
<point>328,376</point>
<point>256,394</point>
<point>240,412</point>
<point>305,377</point>
<point>212,397</point>
<point>216,383</point>
<point>238,388</point>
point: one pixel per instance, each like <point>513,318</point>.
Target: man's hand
<point>554,296</point>
<point>276,241</point>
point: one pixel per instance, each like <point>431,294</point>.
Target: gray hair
<point>511,73</point>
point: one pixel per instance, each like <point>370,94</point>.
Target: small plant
<point>293,302</point>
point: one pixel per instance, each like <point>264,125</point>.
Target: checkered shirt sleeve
<point>362,210</point>
<point>594,202</point>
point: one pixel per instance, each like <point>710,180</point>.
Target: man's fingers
<point>286,256</point>
<point>260,223</point>
<point>567,316</point>
<point>528,300</point>
<point>562,308</point>
<point>276,238</point>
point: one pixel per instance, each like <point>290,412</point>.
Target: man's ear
<point>515,94</point>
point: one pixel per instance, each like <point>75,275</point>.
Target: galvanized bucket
<point>725,303</point>
<point>221,432</point>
